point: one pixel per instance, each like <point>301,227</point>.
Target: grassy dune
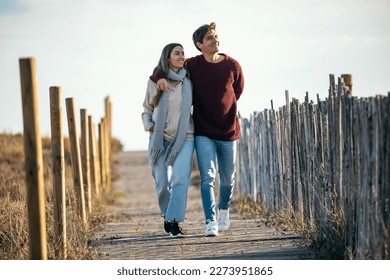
<point>14,240</point>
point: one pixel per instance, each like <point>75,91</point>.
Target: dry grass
<point>14,240</point>
<point>248,209</point>
<point>326,240</point>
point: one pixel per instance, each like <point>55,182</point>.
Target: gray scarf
<point>156,147</point>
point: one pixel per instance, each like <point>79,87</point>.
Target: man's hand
<point>162,85</point>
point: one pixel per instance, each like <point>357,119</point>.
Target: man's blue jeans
<point>171,183</point>
<point>213,155</point>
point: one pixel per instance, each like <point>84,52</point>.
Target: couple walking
<point>192,104</point>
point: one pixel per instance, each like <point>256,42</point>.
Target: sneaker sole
<point>211,234</point>
<point>176,236</point>
<point>222,228</point>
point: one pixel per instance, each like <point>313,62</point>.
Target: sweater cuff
<point>148,126</point>
<point>157,75</point>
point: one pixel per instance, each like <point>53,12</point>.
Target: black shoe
<point>176,231</point>
<point>167,226</point>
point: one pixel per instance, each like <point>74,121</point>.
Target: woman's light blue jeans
<point>171,183</point>
<point>213,155</point>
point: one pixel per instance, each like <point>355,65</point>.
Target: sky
<point>98,48</point>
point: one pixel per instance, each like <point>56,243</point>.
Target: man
<point>218,83</point>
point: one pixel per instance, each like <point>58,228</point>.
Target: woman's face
<point>177,58</point>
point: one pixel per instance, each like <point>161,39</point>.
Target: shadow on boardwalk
<point>137,231</point>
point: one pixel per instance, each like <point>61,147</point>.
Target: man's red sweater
<point>216,89</point>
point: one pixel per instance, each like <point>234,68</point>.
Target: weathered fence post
<point>33,160</point>
<point>58,156</point>
<point>76,159</point>
<point>85,158</point>
<point>348,81</point>
<point>106,151</point>
<point>94,157</point>
<point>108,125</point>
<point>102,155</point>
<point>287,158</point>
<point>108,114</point>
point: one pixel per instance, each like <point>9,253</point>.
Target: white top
<point>149,114</point>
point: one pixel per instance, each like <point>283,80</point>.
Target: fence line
<point>85,157</point>
<point>326,164</point>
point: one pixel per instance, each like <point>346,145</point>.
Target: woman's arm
<point>160,78</point>
<point>147,114</point>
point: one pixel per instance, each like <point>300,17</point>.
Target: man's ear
<point>198,44</point>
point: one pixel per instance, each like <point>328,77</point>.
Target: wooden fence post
<point>347,81</point>
<point>108,133</point>
<point>58,156</point>
<point>94,157</point>
<point>76,159</point>
<point>102,155</point>
<point>288,185</point>
<point>107,152</point>
<point>108,114</point>
<point>33,160</point>
<point>85,158</point>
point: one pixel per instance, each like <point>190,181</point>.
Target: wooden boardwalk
<point>136,230</point>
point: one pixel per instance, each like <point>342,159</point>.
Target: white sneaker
<point>211,229</point>
<point>223,219</point>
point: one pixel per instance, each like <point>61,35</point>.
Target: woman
<point>167,117</point>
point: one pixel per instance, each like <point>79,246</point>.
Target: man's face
<point>210,42</point>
